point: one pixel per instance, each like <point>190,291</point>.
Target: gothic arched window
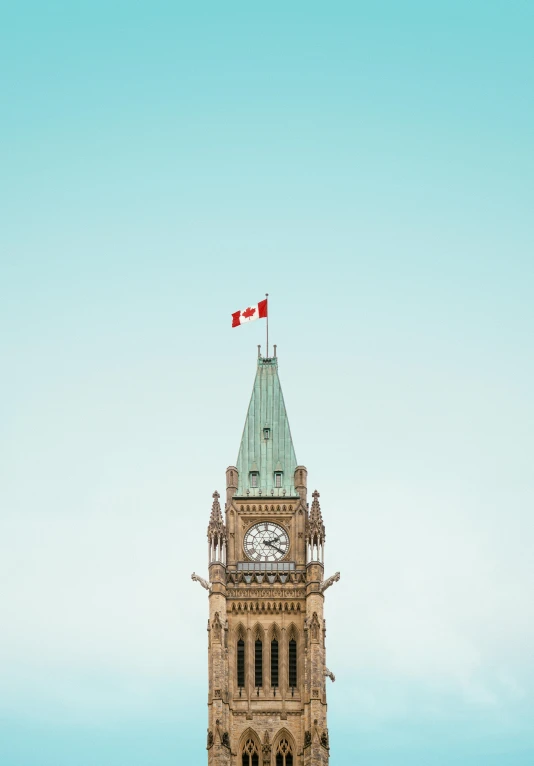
<point>274,662</point>
<point>241,663</point>
<point>258,663</point>
<point>250,755</point>
<point>284,754</point>
<point>292,667</point>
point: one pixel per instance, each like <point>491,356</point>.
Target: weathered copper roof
<point>266,452</point>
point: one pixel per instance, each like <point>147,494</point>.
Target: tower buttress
<point>218,717</point>
<point>316,745</point>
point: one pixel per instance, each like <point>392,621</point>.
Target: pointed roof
<point>216,525</point>
<point>266,444</point>
<point>316,530</point>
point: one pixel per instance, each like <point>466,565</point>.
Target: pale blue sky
<point>370,165</point>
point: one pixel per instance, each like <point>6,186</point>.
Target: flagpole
<point>267,317</point>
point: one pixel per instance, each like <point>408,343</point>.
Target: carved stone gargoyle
<point>204,583</point>
<point>327,583</point>
<point>329,674</point>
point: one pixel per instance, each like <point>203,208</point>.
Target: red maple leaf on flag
<point>250,314</point>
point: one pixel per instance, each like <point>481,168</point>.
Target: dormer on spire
<point>315,531</point>
<point>216,533</point>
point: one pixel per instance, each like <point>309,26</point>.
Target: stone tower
<point>266,631</point>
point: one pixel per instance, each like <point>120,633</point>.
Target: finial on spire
<point>259,351</point>
<point>216,525</point>
<point>315,532</point>
<point>216,532</point>
<point>275,350</point>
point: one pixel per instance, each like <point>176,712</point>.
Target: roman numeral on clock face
<point>266,541</point>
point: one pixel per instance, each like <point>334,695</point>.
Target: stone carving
<point>290,592</point>
<point>266,749</point>
<point>315,531</point>
<point>216,527</point>
<point>307,738</point>
<point>217,627</point>
<point>314,627</point>
<point>201,580</point>
<point>329,673</point>
<point>225,739</point>
<point>327,583</point>
<point>210,740</point>
<point>324,739</point>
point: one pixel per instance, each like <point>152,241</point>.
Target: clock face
<point>266,542</point>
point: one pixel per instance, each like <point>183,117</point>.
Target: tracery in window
<point>250,756</point>
<point>284,753</point>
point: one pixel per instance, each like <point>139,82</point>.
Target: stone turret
<point>216,532</point>
<point>315,531</point>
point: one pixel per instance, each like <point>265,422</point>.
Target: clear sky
<point>370,165</point>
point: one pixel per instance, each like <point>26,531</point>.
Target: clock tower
<point>266,630</point>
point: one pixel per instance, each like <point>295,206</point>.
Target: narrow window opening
<point>278,479</point>
<point>274,662</point>
<point>241,663</point>
<point>292,663</point>
<point>266,433</point>
<point>253,478</point>
<point>258,663</point>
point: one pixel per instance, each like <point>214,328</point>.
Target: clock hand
<point>275,547</point>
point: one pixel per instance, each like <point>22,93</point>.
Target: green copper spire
<point>266,462</point>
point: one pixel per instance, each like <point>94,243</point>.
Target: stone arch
<point>240,631</point>
<point>275,632</point>
<point>258,632</point>
<point>249,749</point>
<point>292,632</point>
<point>284,748</point>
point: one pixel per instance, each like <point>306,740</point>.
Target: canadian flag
<point>259,311</point>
